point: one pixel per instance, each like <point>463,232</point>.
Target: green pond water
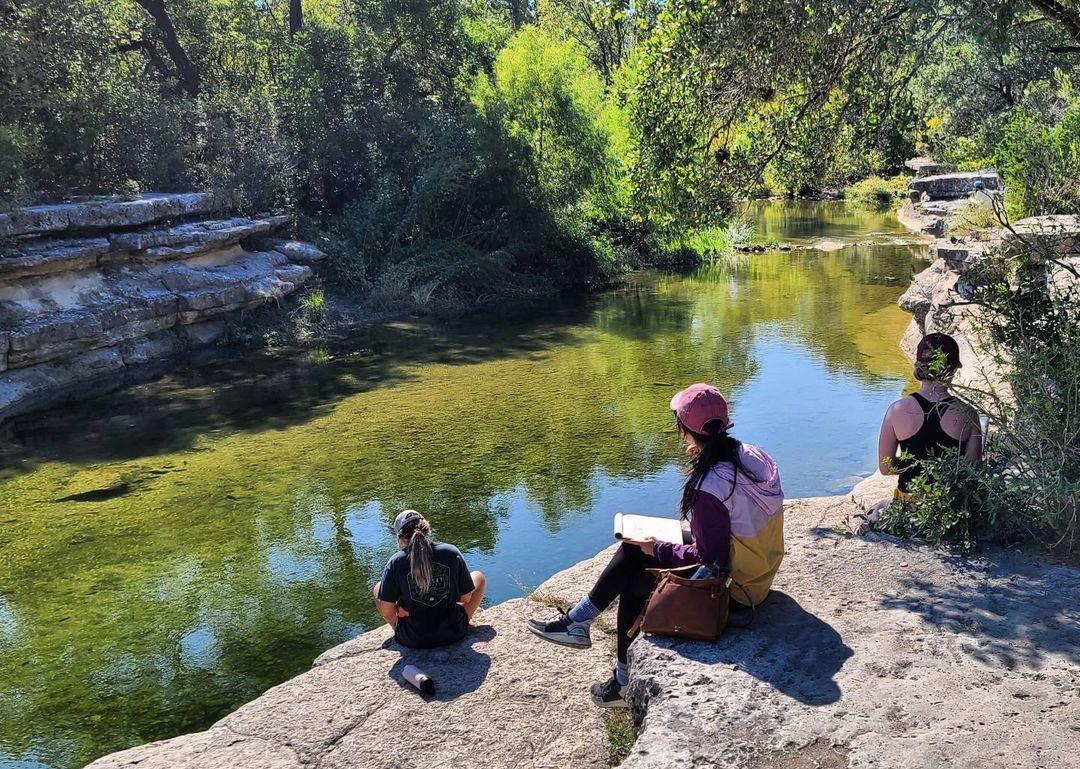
<point>173,550</point>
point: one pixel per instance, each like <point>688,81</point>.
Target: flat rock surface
<point>875,652</point>
<point>105,213</point>
<point>871,652</point>
<point>505,699</point>
<point>1057,235</point>
<point>925,166</point>
<point>957,185</point>
<point>193,237</point>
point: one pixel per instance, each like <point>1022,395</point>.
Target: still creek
<point>173,550</point>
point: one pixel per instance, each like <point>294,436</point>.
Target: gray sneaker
<point>608,694</point>
<point>562,631</point>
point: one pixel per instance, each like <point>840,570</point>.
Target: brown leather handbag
<point>696,609</point>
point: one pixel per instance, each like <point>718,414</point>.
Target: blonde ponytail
<point>420,554</point>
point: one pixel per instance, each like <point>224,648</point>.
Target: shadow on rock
<point>457,669</point>
<point>1016,609</point>
<point>787,647</point>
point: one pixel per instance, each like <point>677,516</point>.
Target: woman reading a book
<point>733,501</point>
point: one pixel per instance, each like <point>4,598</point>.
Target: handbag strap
<point>749,602</point>
<point>663,572</point>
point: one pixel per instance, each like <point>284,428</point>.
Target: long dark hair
<point>716,447</point>
<point>418,532</point>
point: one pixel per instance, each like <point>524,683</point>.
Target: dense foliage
<point>468,148</point>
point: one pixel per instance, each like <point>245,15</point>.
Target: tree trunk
<point>185,69</point>
<point>1065,15</point>
<point>519,12</point>
<point>296,16</point>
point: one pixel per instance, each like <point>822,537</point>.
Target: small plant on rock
<point>310,316</point>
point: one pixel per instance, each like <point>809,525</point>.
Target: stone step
<point>1057,235</point>
<point>103,213</point>
<point>36,257</point>
<point>924,166</point>
<point>957,185</point>
<point>959,254</point>
<point>296,251</point>
<point>193,237</point>
<point>34,388</point>
<point>51,256</point>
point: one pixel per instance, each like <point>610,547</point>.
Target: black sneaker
<point>562,631</point>
<point>608,694</point>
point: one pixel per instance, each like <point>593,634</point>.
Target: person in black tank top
<point>927,423</point>
<point>931,440</point>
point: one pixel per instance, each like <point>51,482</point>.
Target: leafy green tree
<point>544,96</point>
<point>605,29</point>
<point>1040,162</point>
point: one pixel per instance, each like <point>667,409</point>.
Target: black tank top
<point>930,440</point>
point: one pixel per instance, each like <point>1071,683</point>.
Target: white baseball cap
<point>404,518</point>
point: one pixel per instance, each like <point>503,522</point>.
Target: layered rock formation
<point>934,198</point>
<point>927,166</point>
<point>938,298</point>
<point>89,290</point>
<point>871,652</point>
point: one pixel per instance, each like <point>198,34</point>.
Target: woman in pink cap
<point>733,500</point>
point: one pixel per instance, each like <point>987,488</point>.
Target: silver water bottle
<point>420,680</point>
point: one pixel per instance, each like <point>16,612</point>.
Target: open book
<point>641,526</point>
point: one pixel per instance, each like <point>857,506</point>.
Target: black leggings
<point>626,578</point>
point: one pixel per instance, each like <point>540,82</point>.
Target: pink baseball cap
<point>698,405</point>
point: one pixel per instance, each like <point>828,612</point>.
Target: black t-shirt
<point>435,616</point>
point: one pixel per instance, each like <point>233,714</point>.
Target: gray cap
<point>404,518</point>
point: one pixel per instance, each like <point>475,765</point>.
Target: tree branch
<point>185,69</point>
<point>153,57</point>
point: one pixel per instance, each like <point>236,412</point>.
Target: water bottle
<point>706,571</point>
<point>420,680</point>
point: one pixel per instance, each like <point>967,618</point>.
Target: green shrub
<point>976,213</point>
<point>952,503</point>
<point>14,154</point>
<point>1040,163</point>
<point>878,194</point>
<point>710,242</point>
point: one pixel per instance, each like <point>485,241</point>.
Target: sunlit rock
<point>148,268</point>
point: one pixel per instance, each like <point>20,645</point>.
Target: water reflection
<point>248,504</point>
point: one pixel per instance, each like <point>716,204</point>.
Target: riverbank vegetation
<point>877,193</point>
<point>1022,305</point>
<point>475,148</point>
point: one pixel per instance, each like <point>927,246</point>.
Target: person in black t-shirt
<point>427,593</point>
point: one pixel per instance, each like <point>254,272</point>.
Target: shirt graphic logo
<point>439,589</point>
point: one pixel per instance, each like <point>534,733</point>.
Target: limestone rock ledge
<point>874,652</point>
<point>871,652</point>
<point>938,298</point>
<point>93,288</point>
<point>504,699</point>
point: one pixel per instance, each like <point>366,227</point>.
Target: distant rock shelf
<point>91,289</point>
<point>939,297</point>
